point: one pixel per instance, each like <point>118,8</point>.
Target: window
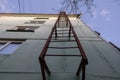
<point>24,29</point>
<point>8,47</point>
<point>35,22</point>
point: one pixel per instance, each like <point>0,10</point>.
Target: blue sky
<point>106,15</point>
<point>106,20</point>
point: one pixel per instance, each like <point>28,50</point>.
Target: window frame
<point>36,22</point>
<point>7,43</point>
<point>17,29</point>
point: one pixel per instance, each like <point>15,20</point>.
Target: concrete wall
<point>23,63</point>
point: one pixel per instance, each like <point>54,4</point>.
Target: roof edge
<point>35,15</point>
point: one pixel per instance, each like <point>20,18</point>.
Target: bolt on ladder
<point>62,31</point>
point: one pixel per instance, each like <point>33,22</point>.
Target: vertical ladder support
<point>79,68</point>
<point>82,67</point>
<point>42,69</point>
<point>83,70</point>
<point>55,33</point>
<point>69,32</point>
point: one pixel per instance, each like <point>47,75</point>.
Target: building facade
<point>23,36</point>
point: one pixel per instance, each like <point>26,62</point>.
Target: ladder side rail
<point>84,61</point>
<point>44,50</point>
<point>70,25</point>
<point>77,40</point>
<point>80,46</point>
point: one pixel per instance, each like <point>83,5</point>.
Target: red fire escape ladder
<point>62,31</point>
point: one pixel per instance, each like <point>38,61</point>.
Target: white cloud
<point>105,12</point>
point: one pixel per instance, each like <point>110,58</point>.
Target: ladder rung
<point>63,27</point>
<point>62,36</point>
<point>62,21</point>
<point>62,47</point>
<point>62,33</point>
<point>62,55</point>
<point>63,41</point>
<point>63,30</point>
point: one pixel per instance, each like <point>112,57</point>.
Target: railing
<point>84,61</point>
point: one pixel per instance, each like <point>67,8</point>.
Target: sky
<point>105,19</point>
